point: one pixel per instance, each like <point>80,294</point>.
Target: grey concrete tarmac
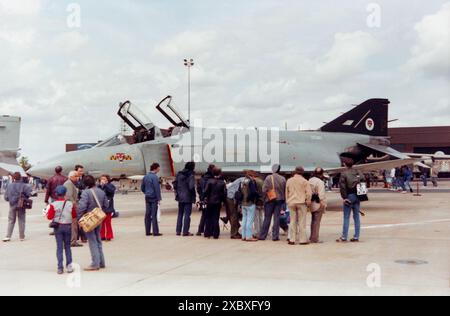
<point>396,227</point>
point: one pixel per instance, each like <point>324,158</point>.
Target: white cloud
<point>348,56</point>
<point>339,101</point>
<point>189,42</point>
<point>71,41</point>
<point>22,38</point>
<point>20,7</point>
<point>431,54</point>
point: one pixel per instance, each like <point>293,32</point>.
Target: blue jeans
<point>151,217</point>
<point>96,248</point>
<point>63,236</point>
<point>272,209</point>
<point>355,206</point>
<point>407,184</point>
<point>248,218</point>
<point>184,218</point>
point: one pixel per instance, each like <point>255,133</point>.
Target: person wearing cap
<point>12,195</point>
<point>298,198</point>
<point>62,212</point>
<point>319,206</point>
<point>277,184</point>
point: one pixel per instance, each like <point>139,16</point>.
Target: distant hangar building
<point>421,140</point>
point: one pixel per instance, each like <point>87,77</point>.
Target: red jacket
<point>52,212</point>
<point>52,184</point>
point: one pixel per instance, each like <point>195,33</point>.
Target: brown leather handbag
<point>272,194</point>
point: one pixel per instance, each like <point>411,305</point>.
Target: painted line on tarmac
<point>407,224</point>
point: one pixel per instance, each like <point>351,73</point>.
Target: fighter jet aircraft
<point>361,133</point>
<point>9,145</point>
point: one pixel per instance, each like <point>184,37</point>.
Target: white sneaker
<point>7,240</point>
<point>22,240</point>
<point>69,269</point>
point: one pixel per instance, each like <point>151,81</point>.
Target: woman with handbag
<point>62,212</point>
<point>106,186</point>
<point>92,200</point>
<point>17,193</point>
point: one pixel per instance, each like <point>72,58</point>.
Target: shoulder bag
<point>90,221</point>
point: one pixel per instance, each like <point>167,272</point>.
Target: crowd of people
<point>67,200</point>
<point>253,206</point>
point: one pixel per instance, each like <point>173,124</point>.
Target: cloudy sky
<point>258,62</point>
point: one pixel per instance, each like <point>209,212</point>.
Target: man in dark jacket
<point>215,195</point>
<point>201,187</point>
<point>151,187</point>
<point>54,182</point>
<point>184,186</point>
<point>348,184</point>
<point>12,195</point>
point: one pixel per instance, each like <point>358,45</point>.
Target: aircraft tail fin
<point>368,118</point>
<point>9,133</point>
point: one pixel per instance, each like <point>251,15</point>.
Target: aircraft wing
<point>422,156</point>
<point>384,165</point>
<point>387,150</point>
<point>7,168</point>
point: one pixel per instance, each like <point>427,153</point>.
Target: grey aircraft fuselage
<point>309,149</point>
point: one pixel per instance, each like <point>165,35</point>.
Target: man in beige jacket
<point>72,196</point>
<point>298,198</point>
<point>318,208</point>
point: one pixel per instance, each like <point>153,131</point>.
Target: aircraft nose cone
<point>42,170</point>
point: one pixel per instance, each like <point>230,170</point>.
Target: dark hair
<point>107,177</point>
<point>78,167</point>
<point>318,172</point>
<point>89,181</point>
<point>211,168</point>
<point>154,166</point>
<point>349,162</point>
<point>190,166</point>
<point>17,176</point>
<point>217,172</point>
<point>58,169</point>
<point>300,170</point>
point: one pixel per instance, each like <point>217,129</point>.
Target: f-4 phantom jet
<point>361,133</point>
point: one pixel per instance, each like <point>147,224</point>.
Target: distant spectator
<point>215,195</point>
<point>54,182</point>
<point>12,195</point>
<point>185,195</point>
<point>107,233</point>
<point>152,190</point>
<point>298,198</point>
<point>87,204</point>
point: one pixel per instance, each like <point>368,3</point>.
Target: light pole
<point>189,63</point>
